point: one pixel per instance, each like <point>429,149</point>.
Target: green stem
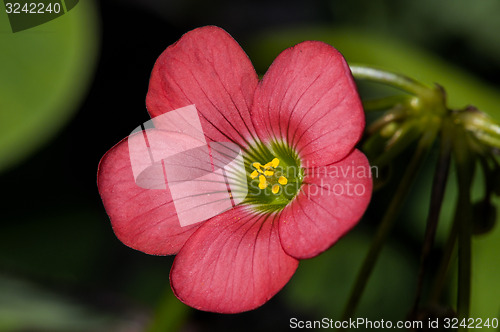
<point>404,136</point>
<point>385,103</point>
<point>387,223</point>
<point>487,139</point>
<point>486,129</point>
<point>437,196</point>
<point>398,81</point>
<point>170,314</point>
<point>397,113</point>
<point>464,253</point>
<point>444,266</point>
<point>463,217</point>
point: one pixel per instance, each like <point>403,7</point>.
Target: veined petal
<point>234,262</point>
<point>308,98</point>
<point>331,201</point>
<point>135,194</point>
<point>207,68</point>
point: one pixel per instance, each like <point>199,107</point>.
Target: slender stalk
<point>170,314</point>
<point>437,196</point>
<point>464,254</point>
<point>387,223</point>
<point>397,113</point>
<point>381,76</point>
<point>463,217</point>
<point>444,266</point>
<point>385,103</point>
<point>486,129</point>
<point>488,139</point>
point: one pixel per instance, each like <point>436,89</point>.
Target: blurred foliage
<point>44,74</point>
<point>320,285</point>
<point>25,306</point>
<point>382,51</point>
<point>462,31</point>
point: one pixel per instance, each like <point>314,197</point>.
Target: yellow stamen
<point>258,166</point>
<point>262,182</point>
<point>267,171</point>
<point>275,162</point>
<point>268,165</point>
<point>275,189</point>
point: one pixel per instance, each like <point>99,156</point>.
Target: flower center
<point>271,186</point>
<point>269,174</point>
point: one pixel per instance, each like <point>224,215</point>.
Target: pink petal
<point>233,263</point>
<point>142,218</point>
<point>331,201</point>
<point>308,98</point>
<point>207,68</point>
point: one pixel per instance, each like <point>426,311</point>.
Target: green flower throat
<point>274,176</point>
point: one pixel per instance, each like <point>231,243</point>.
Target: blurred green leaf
<point>27,307</point>
<point>44,73</point>
<point>360,47</point>
<point>461,23</point>
<point>485,297</point>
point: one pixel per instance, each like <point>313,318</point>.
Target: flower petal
<point>308,98</point>
<point>208,68</point>
<point>234,262</point>
<point>331,201</point>
<point>142,218</point>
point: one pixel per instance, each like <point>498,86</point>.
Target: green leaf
<point>45,72</point>
<point>25,306</point>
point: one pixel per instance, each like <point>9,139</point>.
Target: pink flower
<point>307,184</point>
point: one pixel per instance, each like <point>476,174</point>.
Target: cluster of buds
<point>415,121</point>
<point>421,115</point>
